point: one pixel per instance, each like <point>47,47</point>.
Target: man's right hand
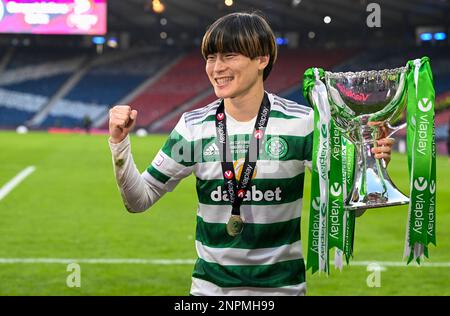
<point>121,121</point>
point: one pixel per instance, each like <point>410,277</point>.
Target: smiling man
<point>248,221</point>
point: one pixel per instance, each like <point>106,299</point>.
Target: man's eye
<point>230,55</point>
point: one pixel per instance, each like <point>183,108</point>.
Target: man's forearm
<point>137,193</point>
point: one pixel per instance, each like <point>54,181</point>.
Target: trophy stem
<point>372,186</point>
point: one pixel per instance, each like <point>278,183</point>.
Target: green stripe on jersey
<point>261,192</point>
<point>161,177</point>
<point>278,114</point>
<point>298,147</point>
<point>252,237</point>
<point>188,153</point>
<point>280,274</point>
<point>179,149</point>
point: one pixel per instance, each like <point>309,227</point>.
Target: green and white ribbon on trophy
<point>421,227</point>
<point>332,219</point>
<point>332,175</point>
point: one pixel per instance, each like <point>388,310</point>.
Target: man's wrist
<point>119,146</point>
<point>116,140</point>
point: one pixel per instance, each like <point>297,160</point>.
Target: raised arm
<point>137,191</point>
<point>140,191</point>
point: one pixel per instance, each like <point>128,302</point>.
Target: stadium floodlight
<point>228,3</point>
<point>281,41</point>
<point>426,36</point>
<point>157,6</point>
<point>327,19</point>
<point>98,40</point>
<point>112,42</point>
<point>440,36</point>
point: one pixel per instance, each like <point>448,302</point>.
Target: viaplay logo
<point>336,189</point>
<point>425,105</point>
<point>258,134</point>
<point>432,187</point>
<point>220,116</point>
<point>420,184</point>
<point>316,204</point>
<point>2,10</point>
<point>228,174</point>
<point>323,129</point>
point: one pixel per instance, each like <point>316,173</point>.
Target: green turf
<point>70,208</point>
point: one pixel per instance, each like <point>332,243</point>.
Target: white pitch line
<point>8,187</point>
<point>192,261</point>
<point>98,261</point>
<point>402,264</point>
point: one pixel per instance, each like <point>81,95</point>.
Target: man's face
<point>232,74</point>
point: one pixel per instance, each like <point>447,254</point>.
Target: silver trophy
<point>364,105</point>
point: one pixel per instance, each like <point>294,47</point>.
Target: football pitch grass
<point>70,208</point>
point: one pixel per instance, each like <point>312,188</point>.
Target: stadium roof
<point>194,16</point>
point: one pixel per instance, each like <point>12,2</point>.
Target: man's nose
<point>219,65</point>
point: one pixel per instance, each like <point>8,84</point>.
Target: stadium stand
<point>105,84</point>
<point>30,56</point>
<point>182,82</point>
<point>27,82</point>
<point>31,79</point>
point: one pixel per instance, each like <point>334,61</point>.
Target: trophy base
<point>364,206</point>
<point>372,186</point>
<point>393,197</point>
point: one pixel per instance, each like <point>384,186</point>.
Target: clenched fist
<point>121,121</point>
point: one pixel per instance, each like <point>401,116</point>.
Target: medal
<point>236,190</point>
<point>235,225</point>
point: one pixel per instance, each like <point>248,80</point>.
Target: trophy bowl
<point>364,105</point>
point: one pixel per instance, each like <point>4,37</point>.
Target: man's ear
<point>263,61</point>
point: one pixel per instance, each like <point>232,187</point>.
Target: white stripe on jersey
<point>237,256</point>
<point>254,214</point>
<point>291,104</point>
<point>202,288</point>
<point>265,169</point>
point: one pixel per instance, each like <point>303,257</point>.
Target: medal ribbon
<point>236,191</point>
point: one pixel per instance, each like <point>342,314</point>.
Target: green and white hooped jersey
<point>266,258</point>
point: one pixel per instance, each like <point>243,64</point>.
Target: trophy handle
<point>391,130</point>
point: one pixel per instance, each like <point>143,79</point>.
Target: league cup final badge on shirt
<point>238,190</point>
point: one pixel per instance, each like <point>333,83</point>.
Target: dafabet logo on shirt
<point>252,194</point>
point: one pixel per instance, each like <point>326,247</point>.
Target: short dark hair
<point>246,33</point>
